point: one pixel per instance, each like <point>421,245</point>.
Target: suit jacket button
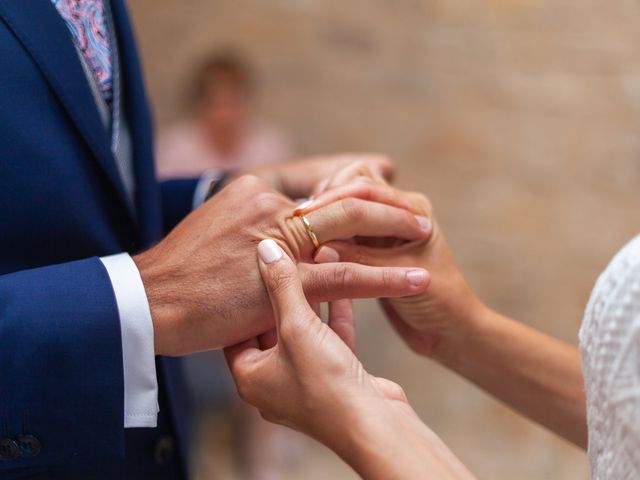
<point>164,450</point>
<point>9,449</point>
<point>29,445</point>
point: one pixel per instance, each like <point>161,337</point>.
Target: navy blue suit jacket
<point>62,205</point>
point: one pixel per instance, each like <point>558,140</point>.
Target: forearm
<point>537,375</point>
<point>389,441</point>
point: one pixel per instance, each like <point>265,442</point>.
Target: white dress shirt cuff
<point>138,355</point>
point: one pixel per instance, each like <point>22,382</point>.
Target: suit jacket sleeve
<point>61,376</point>
<point>177,200</point>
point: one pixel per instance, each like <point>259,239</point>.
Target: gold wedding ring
<point>309,229</point>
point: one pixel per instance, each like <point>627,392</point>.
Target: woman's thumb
<point>280,277</point>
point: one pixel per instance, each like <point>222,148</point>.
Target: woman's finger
<point>361,254</point>
<point>281,280</point>
<point>341,317</point>
<point>358,188</point>
<point>356,169</point>
<point>375,256</point>
<point>374,165</point>
<point>353,217</point>
<point>343,321</point>
<point>335,281</point>
<point>375,169</point>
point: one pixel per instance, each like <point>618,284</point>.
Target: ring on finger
<point>309,229</point>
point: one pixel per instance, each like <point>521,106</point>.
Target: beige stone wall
<point>519,118</point>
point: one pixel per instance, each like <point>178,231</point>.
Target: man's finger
<point>335,281</point>
<point>353,217</point>
<point>240,354</point>
<point>268,339</point>
<point>341,317</point>
<point>281,280</point>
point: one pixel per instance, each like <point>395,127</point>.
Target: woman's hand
<point>532,372</point>
<point>202,283</point>
<point>433,322</point>
<point>310,380</point>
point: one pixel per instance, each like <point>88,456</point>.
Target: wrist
<point>463,327</point>
<point>362,444</point>
<point>459,348</point>
<point>163,306</point>
<point>386,439</point>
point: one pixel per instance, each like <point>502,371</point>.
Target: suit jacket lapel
<point>43,33</point>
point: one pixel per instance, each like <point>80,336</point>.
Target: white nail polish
<point>269,251</point>
<point>416,277</point>
<point>424,222</point>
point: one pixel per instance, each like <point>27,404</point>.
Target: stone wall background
<point>519,118</point>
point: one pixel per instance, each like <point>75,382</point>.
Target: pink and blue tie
<point>86,21</point>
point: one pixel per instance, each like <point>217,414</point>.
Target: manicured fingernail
<point>304,205</point>
<point>416,278</point>
<point>425,223</point>
<point>327,255</point>
<point>269,251</point>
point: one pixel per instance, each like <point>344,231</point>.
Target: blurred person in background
<point>369,422</point>
<point>221,136</point>
<point>220,132</point>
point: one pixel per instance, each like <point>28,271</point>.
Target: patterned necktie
<point>86,21</point>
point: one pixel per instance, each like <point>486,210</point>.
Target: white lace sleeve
<point>610,345</point>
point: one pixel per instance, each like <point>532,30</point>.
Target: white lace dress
<point>610,346</point>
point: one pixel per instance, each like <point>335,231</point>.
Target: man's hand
<point>202,280</point>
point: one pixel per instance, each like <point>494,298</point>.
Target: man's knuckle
<point>265,201</point>
<point>249,181</point>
